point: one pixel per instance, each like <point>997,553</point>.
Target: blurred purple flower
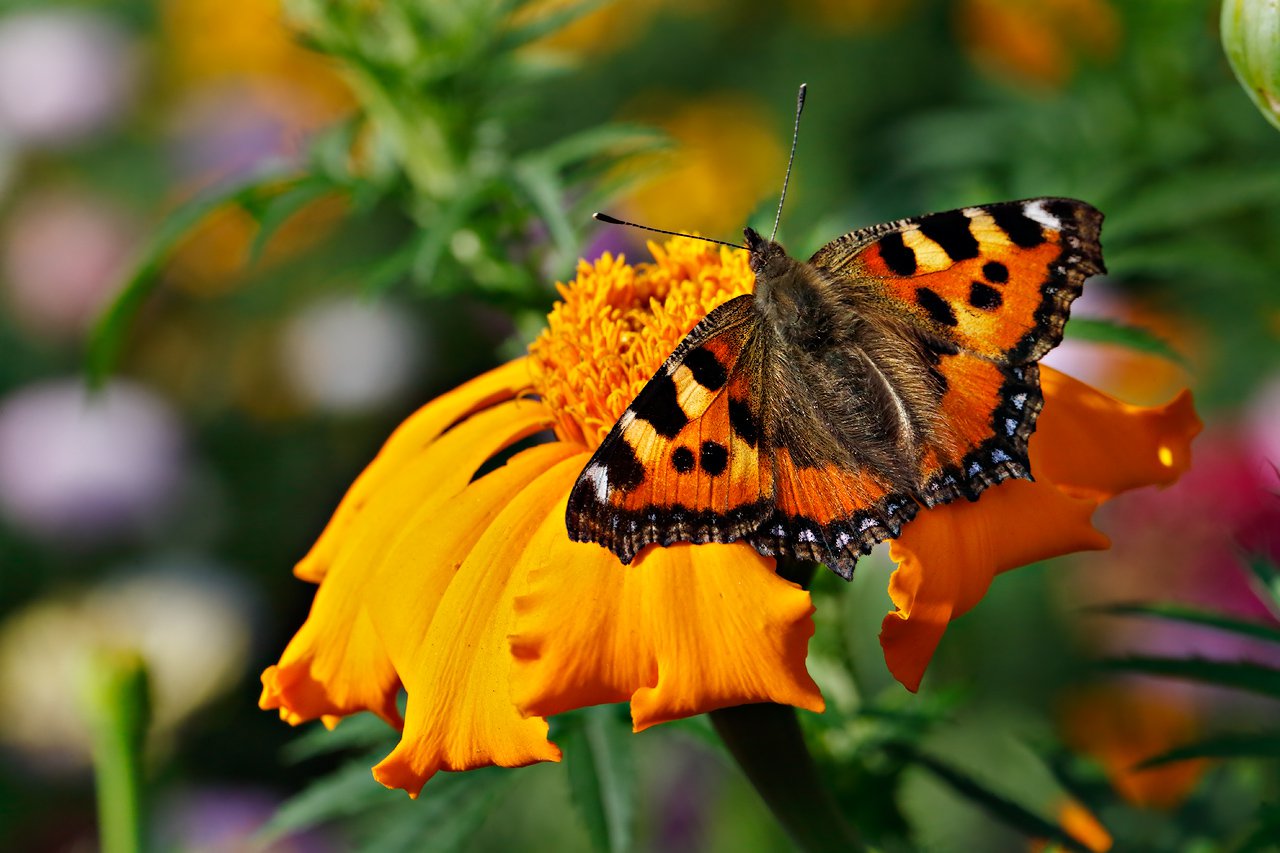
<point>228,132</point>
<point>225,820</point>
<point>54,291</point>
<point>81,467</point>
<point>64,75</point>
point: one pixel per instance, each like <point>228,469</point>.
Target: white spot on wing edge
<point>1035,210</point>
<point>599,477</point>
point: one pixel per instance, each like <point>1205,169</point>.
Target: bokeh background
<point>331,212</point>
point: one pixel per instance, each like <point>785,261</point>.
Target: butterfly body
<point>812,418</point>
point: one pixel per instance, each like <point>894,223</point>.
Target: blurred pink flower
<point>1184,544</point>
<point>64,255</point>
<point>64,75</point>
<point>80,467</point>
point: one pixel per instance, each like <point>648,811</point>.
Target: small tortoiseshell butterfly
<point>896,368</point>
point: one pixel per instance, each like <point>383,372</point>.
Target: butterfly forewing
<point>683,462</point>
<point>996,280</point>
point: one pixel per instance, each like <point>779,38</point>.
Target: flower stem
<point>766,742</point>
<point>119,710</point>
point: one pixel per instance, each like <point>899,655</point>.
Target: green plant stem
<point>766,742</point>
<point>119,711</point>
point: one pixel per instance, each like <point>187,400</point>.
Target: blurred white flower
<point>81,467</point>
<point>187,619</point>
<point>347,355</point>
<point>64,253</point>
<point>63,75</point>
<point>1263,422</point>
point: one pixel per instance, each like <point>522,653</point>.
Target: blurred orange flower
<point>694,186</point>
<point>1038,41</point>
<point>1124,724</point>
<point>467,592</point>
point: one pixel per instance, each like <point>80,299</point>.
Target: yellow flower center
<point>617,323</point>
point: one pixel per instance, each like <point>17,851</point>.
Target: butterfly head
<point>768,260</point>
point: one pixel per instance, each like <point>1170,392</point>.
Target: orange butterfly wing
<point>990,289</point>
<point>683,463</point>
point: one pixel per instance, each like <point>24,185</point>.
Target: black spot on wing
<point>743,422</point>
<point>1022,230</point>
<point>625,470</point>
<point>713,458</point>
<point>657,405</point>
<point>996,272</point>
<point>984,296</point>
<point>938,309</point>
<point>897,256</point>
<point>706,369</point>
<point>951,231</point>
<point>682,458</point>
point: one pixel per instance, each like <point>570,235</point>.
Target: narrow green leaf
<point>108,333</point>
<point>602,776</point>
<point>1239,675</point>
<point>547,23</point>
<point>362,731</point>
<point>997,805</point>
<point>542,189</point>
<point>1237,745</point>
<point>443,819</point>
<point>1267,574</point>
<point>1224,191</point>
<point>615,139</point>
<point>1101,331</point>
<point>1192,616</point>
<point>349,791</point>
<point>277,210</point>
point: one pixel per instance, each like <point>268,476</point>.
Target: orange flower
<point>1122,725</point>
<point>467,592</point>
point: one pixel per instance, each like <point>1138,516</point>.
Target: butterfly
<point>895,369</point>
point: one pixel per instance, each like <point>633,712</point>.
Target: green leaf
<point>1163,207</point>
<point>1101,331</point>
<point>547,23</point>
<point>108,333</point>
<point>347,792</point>
<point>1239,675</point>
<point>542,189</point>
<point>1267,574</point>
<point>1192,616</point>
<point>361,731</point>
<point>616,139</point>
<point>997,805</point>
<point>452,807</point>
<point>602,781</point>
<point>278,209</point>
<point>1236,745</point>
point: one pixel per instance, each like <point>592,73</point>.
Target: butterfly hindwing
<point>683,463</point>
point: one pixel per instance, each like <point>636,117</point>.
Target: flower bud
<point>1251,38</point>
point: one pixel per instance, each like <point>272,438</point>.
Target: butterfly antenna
<point>604,217</point>
<point>795,136</point>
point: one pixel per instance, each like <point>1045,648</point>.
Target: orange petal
<point>948,555</point>
<point>682,631</point>
<point>418,430</point>
<point>336,663</point>
<point>456,663</point>
<point>1092,444</point>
